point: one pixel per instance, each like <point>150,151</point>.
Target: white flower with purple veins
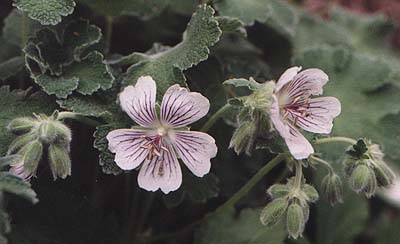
<point>159,142</point>
<point>293,108</point>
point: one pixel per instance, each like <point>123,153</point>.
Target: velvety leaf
<point>59,86</point>
<point>231,25</point>
<point>47,12</point>
<point>18,103</point>
<point>92,74</point>
<point>12,184</point>
<point>226,227</point>
<point>106,158</point>
<point>166,67</point>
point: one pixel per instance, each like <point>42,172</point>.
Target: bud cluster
<point>252,119</point>
<point>35,137</point>
<point>366,169</point>
<point>290,204</point>
<point>333,188</point>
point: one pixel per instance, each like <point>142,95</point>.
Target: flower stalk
<point>335,139</point>
<point>78,117</point>
<point>215,117</point>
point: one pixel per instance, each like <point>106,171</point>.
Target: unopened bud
<point>384,175</point>
<point>262,97</point>
<point>333,188</point>
<point>363,179</point>
<point>20,142</point>
<point>311,192</point>
<point>47,132</point>
<point>60,162</point>
<point>295,220</point>
<point>278,190</point>
<point>21,125</point>
<point>243,138</point>
<point>32,153</point>
<point>273,212</point>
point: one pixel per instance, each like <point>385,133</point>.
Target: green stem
<point>214,118</point>
<point>78,117</point>
<point>335,139</point>
<point>109,31</point>
<point>25,29</point>
<point>299,175</point>
<point>323,162</point>
<point>251,183</point>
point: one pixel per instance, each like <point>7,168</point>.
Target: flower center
<point>155,143</point>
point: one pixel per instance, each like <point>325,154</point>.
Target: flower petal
<point>163,172</point>
<point>298,145</point>
<point>286,77</point>
<point>319,116</point>
<point>306,83</point>
<point>195,149</point>
<point>139,101</point>
<point>181,107</point>
<point>128,146</point>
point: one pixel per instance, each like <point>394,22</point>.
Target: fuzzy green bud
<point>52,131</point>
<point>20,142</point>
<point>363,179</point>
<point>243,138</point>
<point>295,220</point>
<point>278,190</point>
<point>273,212</point>
<point>333,188</point>
<point>384,175</point>
<point>310,192</point>
<point>261,98</point>
<point>60,162</point>
<point>32,153</point>
<point>21,125</point>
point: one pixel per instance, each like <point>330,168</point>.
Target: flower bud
<point>32,153</point>
<point>20,142</point>
<point>60,162</point>
<point>47,132</point>
<point>243,138</point>
<point>384,175</point>
<point>278,190</point>
<point>21,125</point>
<point>295,220</point>
<point>261,98</point>
<point>273,212</point>
<point>363,179</point>
<point>333,188</point>
<point>311,192</point>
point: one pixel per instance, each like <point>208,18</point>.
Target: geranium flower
<point>159,142</point>
<point>292,108</point>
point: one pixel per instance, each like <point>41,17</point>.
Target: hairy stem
<point>251,183</point>
<point>335,139</point>
<point>323,162</point>
<point>214,118</point>
<point>78,117</point>
<point>109,32</point>
<point>299,175</point>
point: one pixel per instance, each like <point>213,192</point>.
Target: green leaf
<point>92,74</point>
<point>106,158</point>
<point>276,13</point>
<point>342,223</point>
<point>46,12</point>
<point>12,184</point>
<point>59,86</point>
<point>228,228</point>
<point>166,67</point>
<point>140,8</point>
<point>86,105</point>
<point>231,25</point>
<point>18,103</point>
<point>11,67</point>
